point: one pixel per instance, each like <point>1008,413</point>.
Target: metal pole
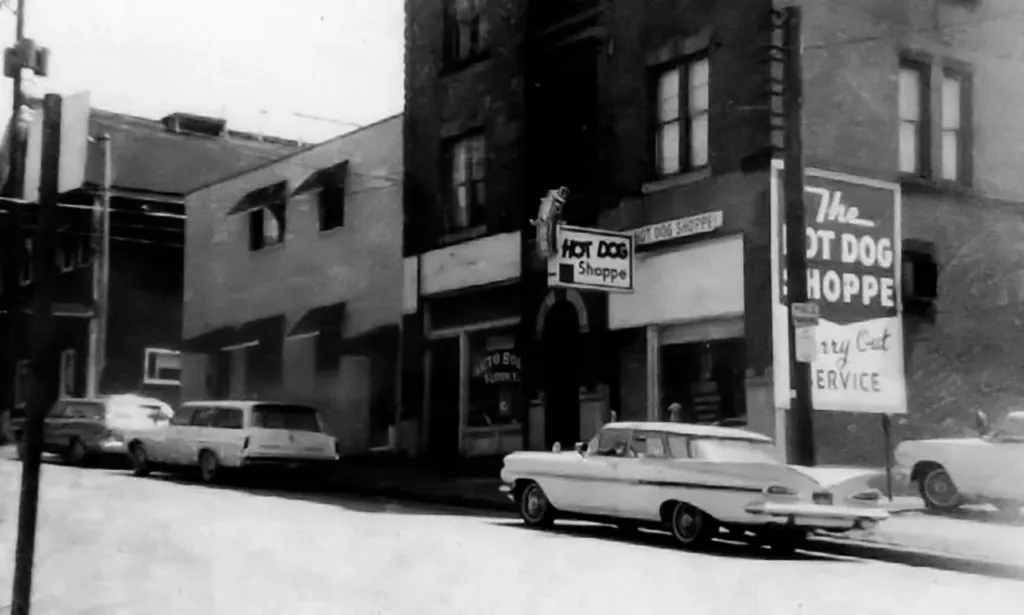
<point>100,276</point>
<point>801,423</point>
<point>44,370</point>
<point>16,184</point>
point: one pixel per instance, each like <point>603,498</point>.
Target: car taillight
<point>245,443</point>
<point>780,490</point>
<point>337,448</point>
<point>871,495</point>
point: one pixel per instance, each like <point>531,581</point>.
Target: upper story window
<point>913,101</point>
<point>331,199</point>
<point>466,162</point>
<point>681,117</point>
<point>267,220</point>
<point>466,29</point>
<point>162,366</point>
<point>954,124</point>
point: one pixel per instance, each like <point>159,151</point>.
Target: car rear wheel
<point>140,460</point>
<point>76,452</point>
<point>938,490</point>
<point>209,467</point>
<point>535,508</point>
<point>691,526</point>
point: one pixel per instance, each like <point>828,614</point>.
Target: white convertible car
<point>693,480</point>
<point>988,468</point>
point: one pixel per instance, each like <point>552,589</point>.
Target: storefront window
<point>705,378</point>
<point>494,379</point>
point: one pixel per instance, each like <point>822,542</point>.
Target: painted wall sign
<point>853,265</point>
<point>592,259</point>
<point>676,229</point>
<point>499,367</point>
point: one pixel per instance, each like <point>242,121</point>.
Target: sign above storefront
<point>677,229</point>
<point>592,259</point>
<point>853,280</point>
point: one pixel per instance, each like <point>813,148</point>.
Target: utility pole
<point>44,381</point>
<point>801,426</point>
<point>100,275</point>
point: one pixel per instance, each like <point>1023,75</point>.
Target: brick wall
<point>967,355</point>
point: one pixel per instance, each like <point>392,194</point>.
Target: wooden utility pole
<point>801,426</point>
<point>100,247</point>
<point>44,381</point>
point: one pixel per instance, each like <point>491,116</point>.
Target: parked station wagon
<point>694,480</point>
<point>217,435</point>
<point>83,429</point>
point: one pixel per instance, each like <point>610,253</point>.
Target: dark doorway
<point>443,418</point>
<point>562,375</point>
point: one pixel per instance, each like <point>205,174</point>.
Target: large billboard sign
<point>853,275</point>
<point>591,259</point>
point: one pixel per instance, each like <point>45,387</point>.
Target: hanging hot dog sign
<point>591,259</point>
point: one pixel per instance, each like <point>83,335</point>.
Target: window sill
<point>267,249</point>
<point>926,185</point>
<point>462,235</point>
<point>327,232</point>
<point>674,181</point>
<point>162,383</point>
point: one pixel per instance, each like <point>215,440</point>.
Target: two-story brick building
<point>293,283</point>
<point>653,112</point>
<point>154,163</point>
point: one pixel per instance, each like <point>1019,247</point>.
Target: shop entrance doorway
<point>562,375</point>
<point>443,420</point>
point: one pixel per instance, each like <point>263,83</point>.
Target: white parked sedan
<point>212,435</point>
<point>988,468</point>
<point>694,480</point>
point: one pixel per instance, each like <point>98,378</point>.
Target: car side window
<point>204,417</point>
<point>649,444</point>
<point>227,418</point>
<point>613,443</point>
<point>678,446</point>
<point>183,416</point>
<point>83,411</point>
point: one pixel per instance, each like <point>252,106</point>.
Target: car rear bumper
<point>109,447</point>
<point>817,515</point>
<point>289,463</point>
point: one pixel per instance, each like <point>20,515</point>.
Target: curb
<point>899,554</point>
<point>867,549</point>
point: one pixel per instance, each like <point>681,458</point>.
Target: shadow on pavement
<point>658,540</point>
<point>308,491</point>
<point>979,514</point>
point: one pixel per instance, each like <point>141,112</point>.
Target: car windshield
<point>734,450</point>
<point>291,418</point>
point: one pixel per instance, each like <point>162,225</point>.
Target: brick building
<point>293,283</point>
<point>652,111</point>
<point>154,164</point>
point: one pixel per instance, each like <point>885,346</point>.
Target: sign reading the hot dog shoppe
<point>591,259</point>
<point>853,276</point>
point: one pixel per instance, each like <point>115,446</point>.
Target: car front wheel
<point>76,452</point>
<point>535,508</point>
<point>938,490</point>
<point>209,467</point>
<point>691,527</point>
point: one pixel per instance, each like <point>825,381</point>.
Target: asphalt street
<point>110,543</point>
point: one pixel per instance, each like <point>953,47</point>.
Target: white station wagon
<point>216,435</point>
<point>693,480</point>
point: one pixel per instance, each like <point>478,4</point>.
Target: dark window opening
<point>331,199</point>
<point>263,364</point>
<point>267,222</point>
<point>328,349</point>
<point>466,29</point>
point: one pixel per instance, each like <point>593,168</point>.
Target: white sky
<point>255,62</point>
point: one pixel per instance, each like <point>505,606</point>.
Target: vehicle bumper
<point>289,463</point>
<point>816,515</point>
<point>509,492</point>
<point>110,447</point>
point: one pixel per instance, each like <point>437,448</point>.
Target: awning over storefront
<point>210,341</point>
<point>322,318</point>
<point>261,330</point>
<point>261,197</point>
<point>334,175</point>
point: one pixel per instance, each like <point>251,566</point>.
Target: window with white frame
<point>162,367</point>
<point>68,366</point>
<point>467,170</point>
<point>952,124</point>
<point>913,97</point>
<point>682,117</point>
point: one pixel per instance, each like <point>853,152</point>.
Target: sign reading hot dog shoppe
<point>591,259</point>
<point>853,276</point>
